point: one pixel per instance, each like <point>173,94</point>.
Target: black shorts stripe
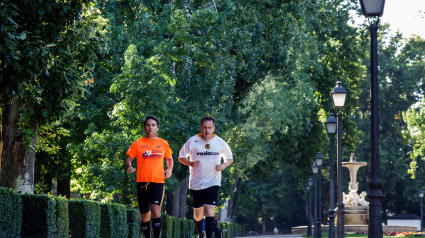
<point>203,197</point>
<point>149,193</point>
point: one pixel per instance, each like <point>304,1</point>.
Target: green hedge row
<point>10,213</point>
<point>232,229</point>
<point>51,216</point>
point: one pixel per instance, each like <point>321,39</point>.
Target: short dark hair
<point>152,118</point>
<point>207,118</point>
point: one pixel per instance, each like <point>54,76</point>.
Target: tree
<point>400,82</point>
<point>39,72</point>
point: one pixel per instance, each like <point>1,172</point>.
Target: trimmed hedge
<point>167,226</point>
<point>113,220</point>
<point>10,213</point>
<point>50,216</point>
<point>233,229</point>
<point>187,228</point>
<point>222,226</point>
<point>133,221</point>
<point>176,227</point>
<point>84,218</point>
<point>62,216</point>
<point>39,218</point>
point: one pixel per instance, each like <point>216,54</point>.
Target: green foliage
<point>401,70</point>
<point>271,108</point>
<point>415,134</point>
<point>241,63</point>
<point>39,217</point>
<point>44,60</point>
<point>402,67</point>
<point>84,218</point>
<point>10,213</point>
<point>271,181</point>
<point>62,216</point>
<point>133,221</point>
<point>233,229</point>
<point>177,225</point>
<point>52,216</point>
<point>101,173</point>
<point>167,226</point>
<point>187,227</point>
<point>113,220</point>
<point>411,70</point>
<point>263,69</point>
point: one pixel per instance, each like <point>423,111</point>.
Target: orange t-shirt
<point>150,158</point>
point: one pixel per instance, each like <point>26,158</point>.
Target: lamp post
<point>318,160</point>
<point>331,126</point>
<point>315,169</point>
<point>339,97</point>
<point>421,195</point>
<point>309,206</point>
<point>374,8</point>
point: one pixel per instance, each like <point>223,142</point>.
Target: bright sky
<point>408,16</point>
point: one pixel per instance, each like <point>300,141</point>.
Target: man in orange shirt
<point>150,151</point>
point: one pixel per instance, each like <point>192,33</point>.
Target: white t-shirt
<point>209,153</point>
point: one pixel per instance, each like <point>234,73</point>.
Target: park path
<point>276,236</point>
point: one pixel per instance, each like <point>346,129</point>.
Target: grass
<point>365,235</point>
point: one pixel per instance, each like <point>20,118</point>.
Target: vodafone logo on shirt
<point>207,153</point>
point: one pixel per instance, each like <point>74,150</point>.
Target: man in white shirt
<point>203,154</point>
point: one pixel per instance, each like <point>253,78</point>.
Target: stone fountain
<point>355,206</point>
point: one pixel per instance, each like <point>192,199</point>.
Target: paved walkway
<point>277,236</point>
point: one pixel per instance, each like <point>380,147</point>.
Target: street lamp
<point>331,127</point>
<point>421,195</point>
<point>318,160</point>
<point>309,207</point>
<point>374,8</point>
<point>315,169</point>
<point>339,98</point>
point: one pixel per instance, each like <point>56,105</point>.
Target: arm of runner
<point>127,164</point>
<point>221,167</point>
<point>169,171</point>
<point>187,162</point>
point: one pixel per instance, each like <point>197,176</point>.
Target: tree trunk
<point>264,224</point>
<point>183,197</point>
<point>231,210</point>
<point>17,164</point>
<point>64,186</point>
<point>175,202</point>
<point>25,180</point>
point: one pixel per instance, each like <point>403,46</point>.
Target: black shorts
<point>149,193</point>
<point>203,197</point>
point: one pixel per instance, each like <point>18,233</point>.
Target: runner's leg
<point>210,203</point>
<point>156,197</point>
<point>198,211</point>
<point>145,214</point>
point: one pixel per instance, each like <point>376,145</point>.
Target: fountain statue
<point>356,217</point>
<point>355,206</point>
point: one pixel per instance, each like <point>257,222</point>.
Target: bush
<point>133,221</point>
<point>84,218</point>
<point>113,221</point>
<point>39,216</point>
<point>47,216</point>
<point>10,213</point>
<point>167,226</point>
<point>176,227</point>
<point>233,229</point>
<point>62,217</point>
<point>187,228</point>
